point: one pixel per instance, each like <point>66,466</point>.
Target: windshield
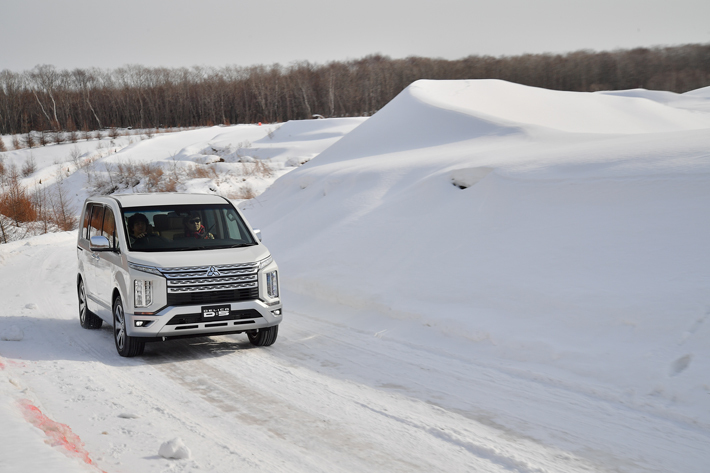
<point>185,227</point>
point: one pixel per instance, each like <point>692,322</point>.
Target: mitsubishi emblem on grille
<point>212,271</point>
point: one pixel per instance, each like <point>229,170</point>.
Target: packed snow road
<point>326,397</point>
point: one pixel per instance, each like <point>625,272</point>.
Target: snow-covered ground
<point>481,277</point>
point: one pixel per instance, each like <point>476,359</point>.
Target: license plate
<point>215,311</point>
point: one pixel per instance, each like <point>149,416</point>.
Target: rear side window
<point>97,217</point>
<point>85,226</point>
<point>109,228</point>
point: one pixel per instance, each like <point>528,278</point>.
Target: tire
<point>88,319</point>
<point>263,337</point>
<point>125,345</point>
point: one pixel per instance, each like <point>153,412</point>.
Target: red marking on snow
<point>2,367</point>
<point>60,435</point>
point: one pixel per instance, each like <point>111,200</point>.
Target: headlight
<point>144,268</point>
<point>142,293</point>
<point>272,284</point>
<point>265,262</point>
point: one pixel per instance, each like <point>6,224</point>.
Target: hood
<point>173,259</point>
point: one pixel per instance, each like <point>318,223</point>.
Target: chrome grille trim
<point>226,267</point>
<point>217,280</point>
<point>221,287</point>
<point>200,274</point>
<point>200,279</point>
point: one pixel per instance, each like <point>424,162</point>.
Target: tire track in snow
<point>507,462</point>
<point>520,404</point>
<point>323,416</point>
<point>311,433</point>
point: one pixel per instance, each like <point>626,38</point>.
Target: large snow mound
<point>565,111</point>
<point>459,208</point>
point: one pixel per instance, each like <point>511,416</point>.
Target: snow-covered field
<point>480,277</point>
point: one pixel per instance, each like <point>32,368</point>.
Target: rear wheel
<point>263,337</point>
<point>88,319</point>
<point>125,345</point>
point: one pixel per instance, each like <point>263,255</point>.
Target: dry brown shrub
<point>168,185</point>
<point>29,141</point>
<point>2,145</point>
<point>245,192</point>
<point>259,168</point>
<point>60,137</point>
<point>29,167</point>
<point>202,172</point>
<point>15,201</point>
<point>151,175</point>
<point>127,172</point>
<point>263,168</point>
<point>62,215</point>
<point>16,142</point>
<point>74,155</point>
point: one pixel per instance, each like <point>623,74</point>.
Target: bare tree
<point>141,97</point>
<point>46,79</point>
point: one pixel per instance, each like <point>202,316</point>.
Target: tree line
<point>46,98</point>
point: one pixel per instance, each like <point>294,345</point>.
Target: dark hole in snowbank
<point>465,178</point>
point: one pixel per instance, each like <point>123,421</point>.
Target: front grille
<point>205,298</point>
<point>195,285</point>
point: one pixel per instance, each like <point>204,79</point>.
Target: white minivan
<point>165,266</point>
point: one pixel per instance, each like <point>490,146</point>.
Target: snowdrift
<point>506,277</point>
<point>564,232</point>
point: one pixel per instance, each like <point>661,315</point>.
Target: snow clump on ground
<point>174,448</point>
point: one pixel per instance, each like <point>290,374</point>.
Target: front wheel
<point>263,337</point>
<point>88,319</point>
<point>125,345</point>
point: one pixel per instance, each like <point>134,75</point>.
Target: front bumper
<point>186,321</point>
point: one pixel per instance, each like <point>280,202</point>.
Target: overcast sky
<point>176,33</point>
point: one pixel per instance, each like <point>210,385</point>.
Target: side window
<point>233,227</point>
<point>97,217</point>
<point>85,226</point>
<point>109,228</point>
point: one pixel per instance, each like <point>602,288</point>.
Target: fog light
<point>276,312</point>
<point>143,323</point>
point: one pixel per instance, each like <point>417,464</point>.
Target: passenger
<point>195,229</point>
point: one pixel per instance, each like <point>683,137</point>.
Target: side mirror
<point>99,243</point>
<point>257,232</point>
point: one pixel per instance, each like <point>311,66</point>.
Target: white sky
<point>175,33</point>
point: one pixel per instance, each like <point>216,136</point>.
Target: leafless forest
<point>46,98</point>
